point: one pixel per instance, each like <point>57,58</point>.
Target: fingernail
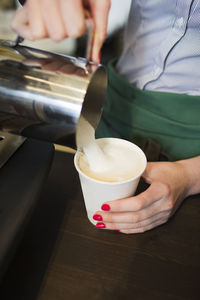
<point>117,230</point>
<point>97,217</point>
<point>100,225</point>
<point>105,207</point>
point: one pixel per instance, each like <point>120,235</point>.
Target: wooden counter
<point>63,256</point>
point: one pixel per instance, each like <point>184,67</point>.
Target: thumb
<point>149,172</point>
<point>99,10</point>
<point>20,23</point>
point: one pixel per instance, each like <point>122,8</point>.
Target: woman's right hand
<point>170,183</point>
<point>58,19</point>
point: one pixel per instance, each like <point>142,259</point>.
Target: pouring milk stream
<point>104,161</point>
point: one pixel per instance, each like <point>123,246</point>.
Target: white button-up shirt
<point>162,46</point>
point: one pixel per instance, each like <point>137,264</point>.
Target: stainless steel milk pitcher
<point>43,94</point>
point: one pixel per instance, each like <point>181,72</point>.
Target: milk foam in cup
<point>116,175</point>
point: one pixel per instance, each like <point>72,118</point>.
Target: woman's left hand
<point>170,183</point>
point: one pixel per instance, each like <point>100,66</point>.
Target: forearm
<point>191,168</point>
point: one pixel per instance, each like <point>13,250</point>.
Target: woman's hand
<point>58,19</point>
<point>170,183</point>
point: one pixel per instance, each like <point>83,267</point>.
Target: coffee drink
<point>117,162</point>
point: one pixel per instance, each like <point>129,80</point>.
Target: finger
<point>155,169</point>
<point>36,21</point>
<point>146,228</point>
<point>147,216</point>
<point>20,23</point>
<point>73,17</point>
<point>148,171</point>
<point>134,226</point>
<point>154,193</point>
<point>53,19</point>
<point>99,10</point>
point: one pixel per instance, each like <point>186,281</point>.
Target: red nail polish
<point>97,218</point>
<point>105,207</point>
<point>117,230</point>
<point>100,225</point>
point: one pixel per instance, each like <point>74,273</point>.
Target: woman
<point>153,93</point>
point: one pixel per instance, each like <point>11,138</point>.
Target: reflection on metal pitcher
<point>42,94</point>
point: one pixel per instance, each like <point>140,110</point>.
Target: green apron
<point>172,120</point>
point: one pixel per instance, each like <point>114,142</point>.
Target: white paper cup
<point>96,192</point>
